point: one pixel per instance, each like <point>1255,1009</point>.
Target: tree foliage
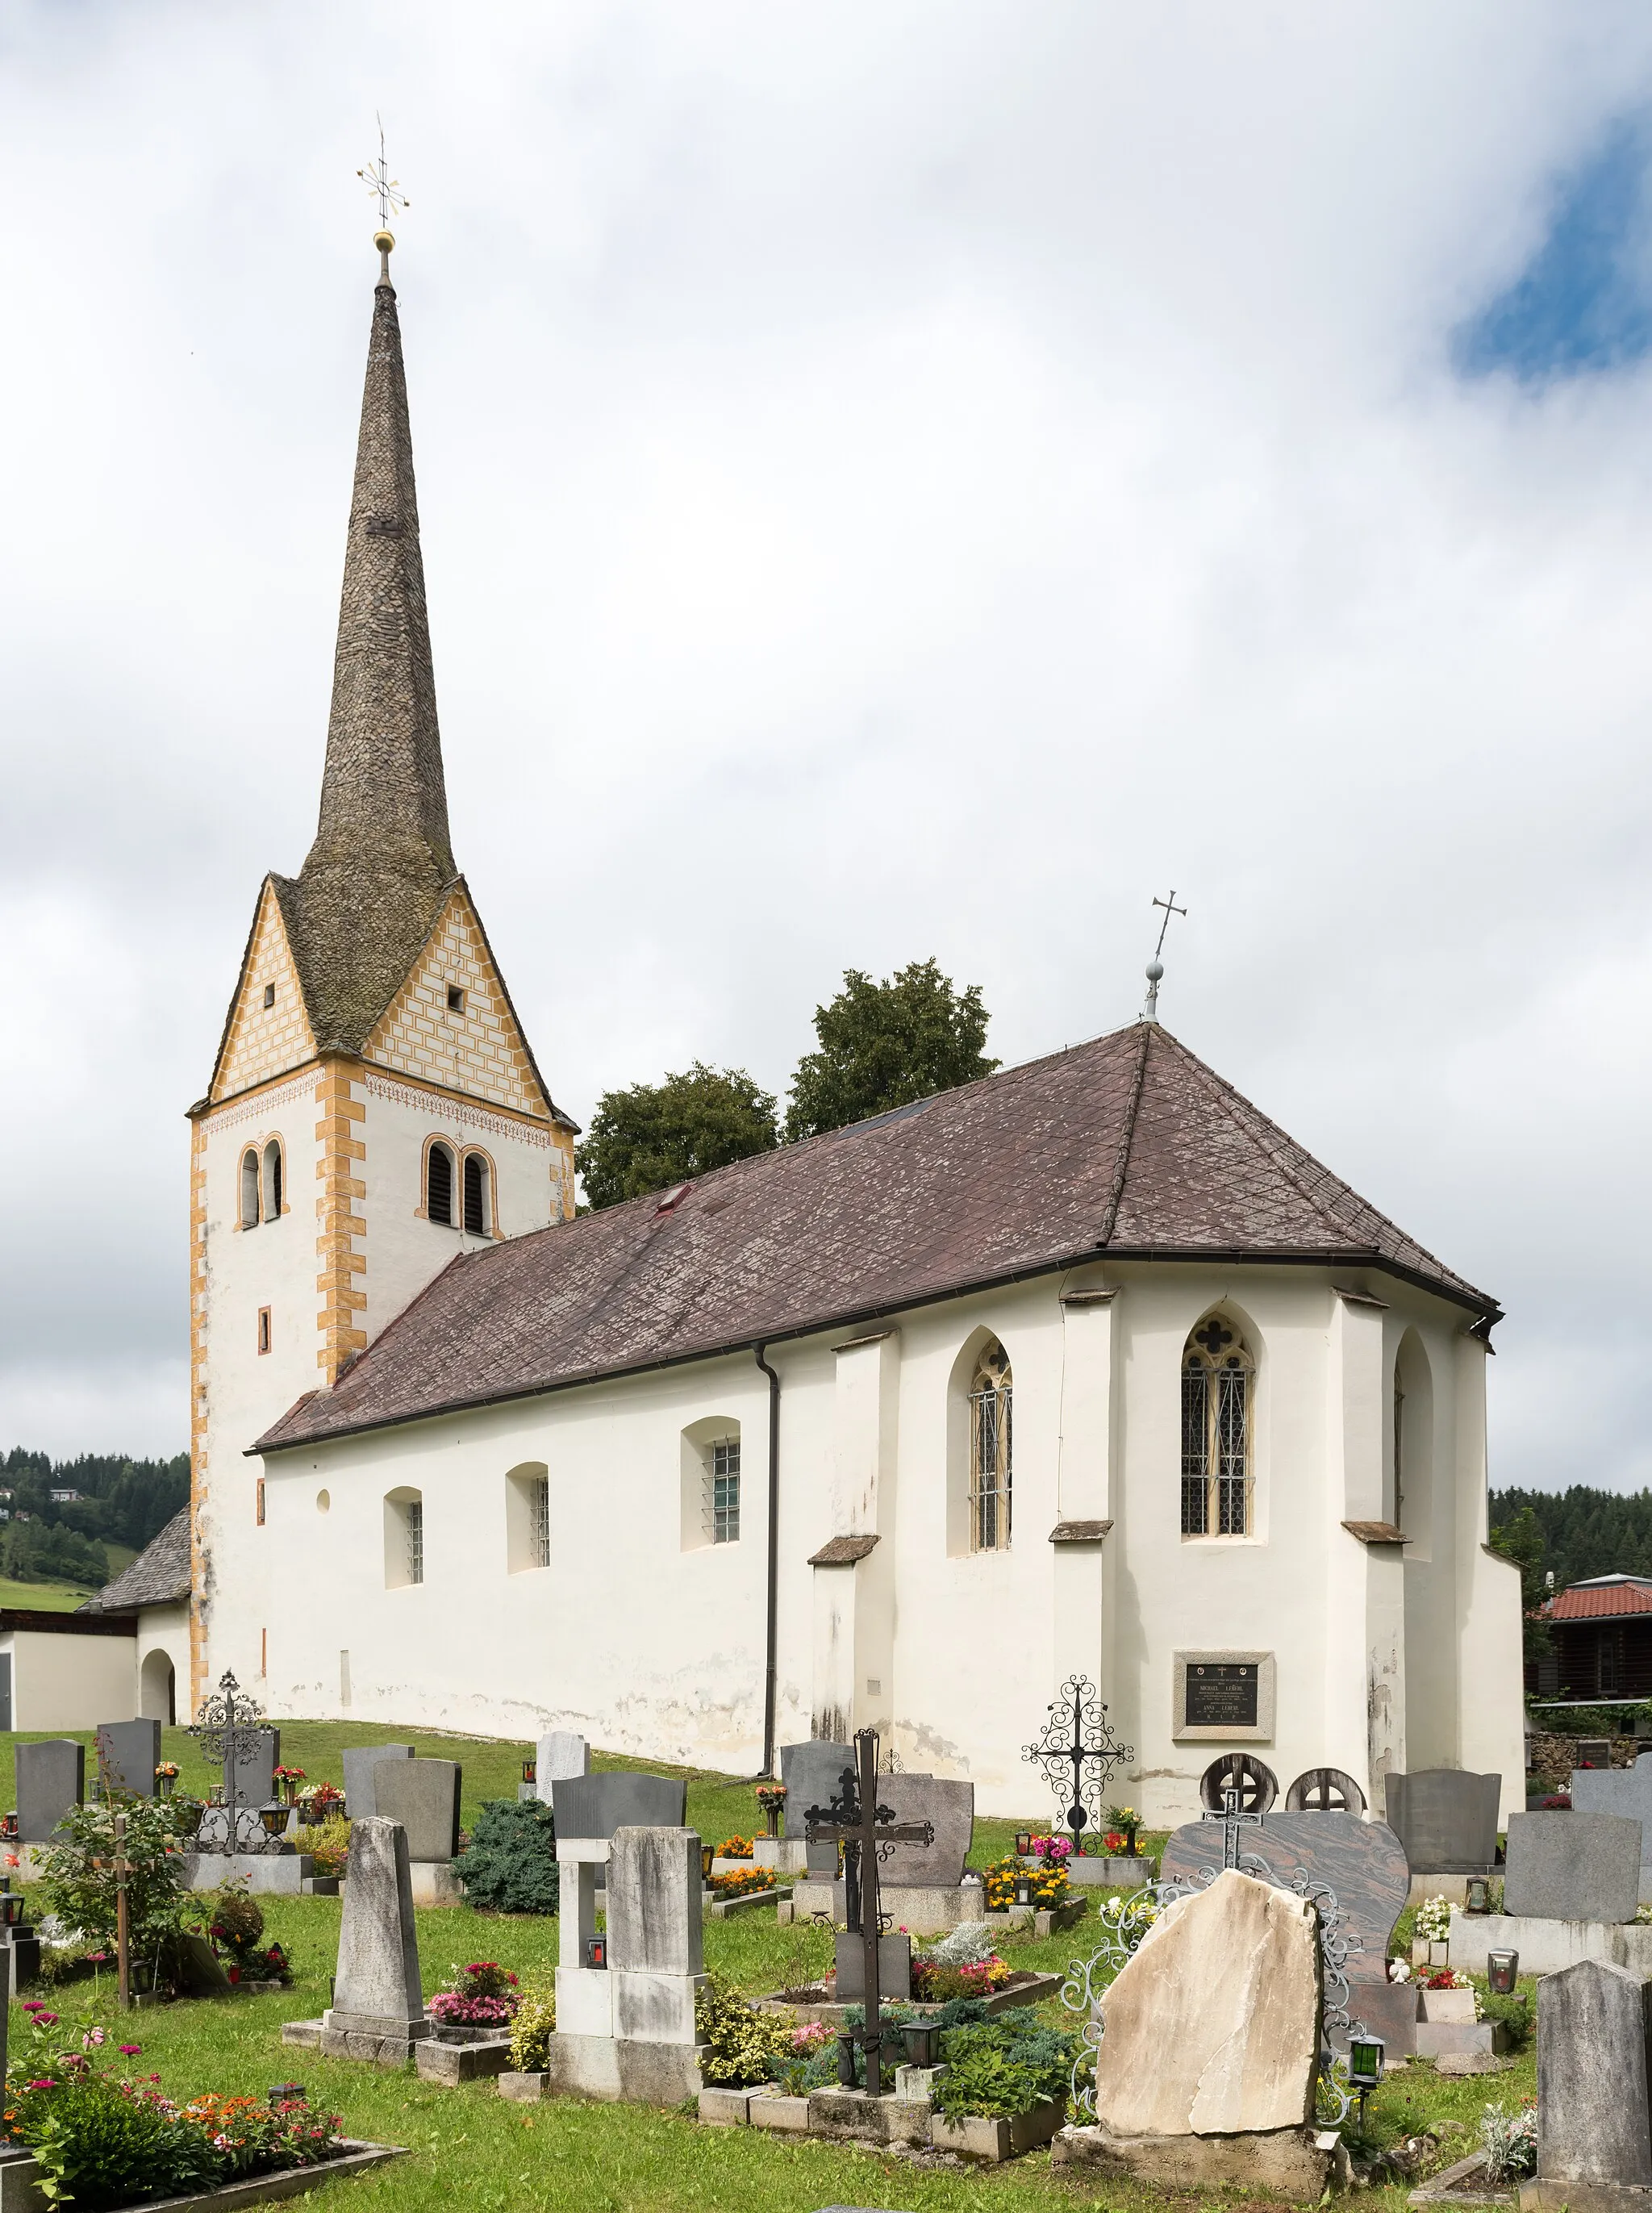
<point>1579,1532</point>
<point>884,1045</point>
<point>123,1501</point>
<point>656,1134</point>
<point>1521,1539</point>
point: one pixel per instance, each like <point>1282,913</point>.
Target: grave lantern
<point>1501,1969</point>
<point>1024,1891</point>
<point>846,2058</point>
<point>1479,1895</point>
<point>708,1854</point>
<point>922,2041</point>
<point>1023,1844</point>
<point>1365,2057</point>
<point>596,1951</point>
<point>530,1771</point>
<point>273,1820</point>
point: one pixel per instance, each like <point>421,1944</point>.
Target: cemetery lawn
<point>469,2147</point>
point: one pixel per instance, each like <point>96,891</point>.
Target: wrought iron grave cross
<point>866,1829</point>
<point>1232,1821</point>
<point>229,1726</point>
<point>1078,1737</point>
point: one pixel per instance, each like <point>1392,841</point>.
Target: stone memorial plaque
<point>1363,1863</point>
<point>128,1754</point>
<point>1572,1866</point>
<point>813,1776</point>
<point>422,1795</point>
<point>556,1757</point>
<point>1625,1791</point>
<point>597,1805</point>
<point>1446,1818</point>
<point>50,1779</point>
<point>1593,2117</point>
<point>257,1758</point>
<point>1594,1752</point>
<point>1229,1695</point>
<point>359,1765</point>
<point>951,1806</point>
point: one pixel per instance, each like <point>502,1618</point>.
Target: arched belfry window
<point>991,1449</point>
<point>249,1190</point>
<point>1217,1375</point>
<point>438,1184</point>
<point>273,1180</point>
<point>477,1214</point>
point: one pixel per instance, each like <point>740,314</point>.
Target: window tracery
<point>1216,1378</point>
<point>991,1456</point>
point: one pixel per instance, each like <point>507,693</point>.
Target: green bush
<point>99,2145</point>
<point>1003,2065</point>
<point>533,2028</point>
<point>1513,2011</point>
<point>510,1866</point>
<point>743,2046</point>
<point>77,1880</point>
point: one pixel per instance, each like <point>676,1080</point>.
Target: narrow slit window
<point>991,1407</point>
<point>273,1180</point>
<point>438,1186</point>
<point>269,995</point>
<point>455,999</point>
<point>476,1195</point>
<point>725,1491</point>
<point>260,1501</point>
<point>539,1532</point>
<point>1216,1433</point>
<point>249,1190</point>
<point>264,1329</point>
<point>416,1540</point>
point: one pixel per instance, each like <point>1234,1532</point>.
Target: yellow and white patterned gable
<point>264,1041</point>
<point>476,1047</point>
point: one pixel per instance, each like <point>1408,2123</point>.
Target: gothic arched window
<point>1216,1432</point>
<point>476,1195</point>
<point>438,1184</point>
<point>273,1179</point>
<point>991,1449</point>
<point>249,1193</point>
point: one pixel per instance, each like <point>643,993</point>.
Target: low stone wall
<point>1553,1758</point>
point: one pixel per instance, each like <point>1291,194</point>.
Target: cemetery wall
<point>66,1682</point>
<point>650,1642</point>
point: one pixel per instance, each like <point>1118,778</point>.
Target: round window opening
<point>322,1501</point>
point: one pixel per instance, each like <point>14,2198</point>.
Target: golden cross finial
<point>386,190</point>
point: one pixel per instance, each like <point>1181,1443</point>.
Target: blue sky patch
<point>1583,303</point>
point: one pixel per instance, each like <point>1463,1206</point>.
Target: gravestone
<point>251,1780</point>
<point>1446,1818</point>
<point>1625,1791</point>
<point>951,1808</point>
<point>599,1805</point>
<point>558,1757</point>
<point>128,1754</point>
<point>812,1773</point>
<point>1572,1866</point>
<point>359,1765</point>
<point>1360,1862</point>
<point>51,1780</point>
<point>656,1948</point>
<point>626,2028</point>
<point>1212,2026</point>
<point>1593,2122</point>
<point>377,2010</point>
<point>422,1796</point>
<point>894,1969</point>
<point>1594,1752</point>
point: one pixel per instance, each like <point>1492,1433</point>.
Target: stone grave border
<point>355,2157</point>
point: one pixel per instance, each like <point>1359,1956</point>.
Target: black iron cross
<point>1078,1736</point>
<point>1232,1820</point>
<point>865,1828</point>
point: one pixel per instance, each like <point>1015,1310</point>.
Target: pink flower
<point>94,2036</point>
<point>43,2020</point>
<point>131,2051</point>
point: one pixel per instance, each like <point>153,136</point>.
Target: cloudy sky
<point>896,479</point>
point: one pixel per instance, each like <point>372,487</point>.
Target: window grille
<point>991,1458</point>
<point>476,1195</point>
<point>416,1540</point>
<point>1215,1411</point>
<point>725,1491</point>
<point>539,1500</point>
<point>438,1186</point>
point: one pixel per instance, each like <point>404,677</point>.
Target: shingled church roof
<point>1125,1148</point>
<point>158,1577</point>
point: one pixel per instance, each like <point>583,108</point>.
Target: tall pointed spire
<point>370,887</point>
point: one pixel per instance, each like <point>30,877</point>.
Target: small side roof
<point>158,1577</point>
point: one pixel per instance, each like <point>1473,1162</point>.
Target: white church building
<point>1084,1368</point>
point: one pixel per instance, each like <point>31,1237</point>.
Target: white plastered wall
<point>162,1638</point>
<point>70,1682</point>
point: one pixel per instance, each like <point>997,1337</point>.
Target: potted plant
<point>289,1778</point>
<point>1126,1820</point>
<point>771,1797</point>
<point>166,1775</point>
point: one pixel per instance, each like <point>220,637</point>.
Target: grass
<point>468,2146</point>
<point>46,1597</point>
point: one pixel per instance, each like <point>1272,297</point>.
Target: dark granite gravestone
<point>813,1776</point>
<point>128,1754</point>
<point>257,1758</point>
<point>1360,1862</point>
<point>50,1779</point>
<point>359,1763</point>
<point>1446,1818</point>
<point>951,1806</point>
<point>422,1795</point>
<point>1625,1791</point>
<point>1593,2120</point>
<point>597,1805</point>
<point>1385,2009</point>
<point>894,1969</point>
<point>1572,1866</point>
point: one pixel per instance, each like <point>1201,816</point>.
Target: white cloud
<point>894,481</point>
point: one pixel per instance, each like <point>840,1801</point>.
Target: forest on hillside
<point>1584,1533</point>
<point>122,1501</point>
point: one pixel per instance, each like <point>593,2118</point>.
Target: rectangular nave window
<point>725,1491</point>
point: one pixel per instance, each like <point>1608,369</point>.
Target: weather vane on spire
<point>1155,965</point>
<point>386,190</point>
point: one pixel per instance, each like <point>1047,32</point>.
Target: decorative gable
<point>264,1039</point>
<point>452,1022</point>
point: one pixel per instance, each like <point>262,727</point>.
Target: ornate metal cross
<point>1077,1752</point>
<point>386,189</point>
<point>228,1727</point>
<point>1232,1821</point>
<point>867,1830</point>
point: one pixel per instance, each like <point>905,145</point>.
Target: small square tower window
<point>269,995</point>
<point>455,999</point>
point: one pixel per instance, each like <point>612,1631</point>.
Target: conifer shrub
<point>510,1864</point>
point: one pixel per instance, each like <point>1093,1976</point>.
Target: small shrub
<point>1510,2141</point>
<point>742,1883</point>
<point>1431,1924</point>
<point>234,1918</point>
<point>510,1866</point>
<point>735,1848</point>
<point>744,2045</point>
<point>1512,2011</point>
<point>327,1844</point>
<point>534,2025</point>
<point>484,1995</point>
<point>1003,2065</point>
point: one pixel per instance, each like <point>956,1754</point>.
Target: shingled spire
<point>372,885</point>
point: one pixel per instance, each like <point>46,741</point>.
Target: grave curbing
<point>22,2192</point>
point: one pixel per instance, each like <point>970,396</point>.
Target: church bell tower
<point>375,1110</point>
